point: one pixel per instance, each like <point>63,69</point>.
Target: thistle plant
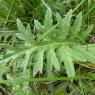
<point>52,46</point>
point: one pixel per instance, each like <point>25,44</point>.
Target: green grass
<point>47,47</point>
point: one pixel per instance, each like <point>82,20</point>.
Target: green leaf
<point>25,33</point>
<point>67,59</point>
<point>48,23</point>
<point>22,30</point>
<point>90,48</point>
<point>38,26</point>
<point>28,35</point>
<point>76,26</point>
<point>52,61</point>
<point>16,52</point>
<point>20,26</point>
<point>84,34</point>
<point>20,36</point>
<point>67,19</point>
<point>58,17</point>
<point>77,55</point>
<point>26,60</point>
<point>38,65</point>
<point>49,34</point>
<point>64,26</point>
<point>88,55</point>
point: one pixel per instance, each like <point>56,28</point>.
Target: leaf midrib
<point>32,49</point>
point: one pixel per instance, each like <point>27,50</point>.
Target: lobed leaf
<point>38,65</point>
<point>52,61</point>
<point>38,26</point>
<point>20,26</point>
<point>66,57</point>
<point>85,33</point>
<point>48,22</point>
<point>76,26</point>
<point>64,26</point>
